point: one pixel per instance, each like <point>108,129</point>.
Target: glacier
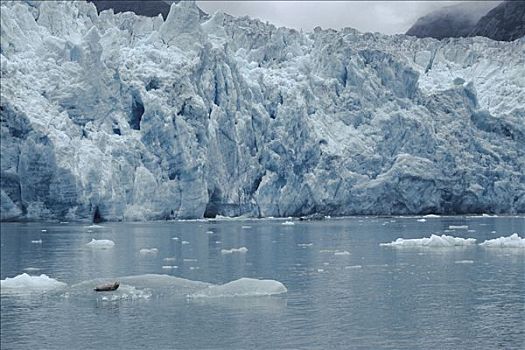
<point>124,117</point>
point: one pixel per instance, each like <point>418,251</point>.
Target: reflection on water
<point>344,289</point>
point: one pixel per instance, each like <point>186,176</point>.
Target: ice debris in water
<point>344,252</point>
<point>432,241</point>
<point>28,283</point>
<point>458,227</point>
<point>464,262</point>
<point>36,241</point>
<point>146,251</point>
<point>288,223</point>
<point>241,250</point>
<point>513,241</point>
<point>244,287</point>
<point>101,243</point>
<point>421,220</point>
<point>44,230</point>
<point>185,242</point>
<point>169,267</point>
<point>304,245</point>
<point>432,216</point>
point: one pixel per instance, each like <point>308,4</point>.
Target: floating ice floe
<point>458,227</point>
<point>344,252</point>
<point>432,241</point>
<point>353,267</point>
<point>101,243</point>
<point>185,242</point>
<point>26,283</point>
<point>288,223</point>
<point>95,226</point>
<point>513,241</point>
<point>169,259</point>
<point>244,287</point>
<point>246,227</point>
<point>32,269</point>
<point>36,241</point>
<point>241,250</point>
<point>464,262</point>
<point>304,245</point>
<point>210,232</point>
<point>175,238</point>
<point>169,267</point>
<point>431,216</point>
<point>148,251</point>
<point>44,230</point>
<point>421,220</point>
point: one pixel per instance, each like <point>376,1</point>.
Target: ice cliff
<point>125,117</point>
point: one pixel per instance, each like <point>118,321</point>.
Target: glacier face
<point>135,118</point>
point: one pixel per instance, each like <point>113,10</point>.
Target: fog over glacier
<point>134,118</point>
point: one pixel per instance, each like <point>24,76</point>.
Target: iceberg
<point>432,241</point>
<point>244,287</point>
<point>101,243</point>
<point>241,250</point>
<point>25,283</point>
<point>124,117</point>
<point>512,241</point>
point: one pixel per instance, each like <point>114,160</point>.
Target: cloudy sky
<point>388,17</point>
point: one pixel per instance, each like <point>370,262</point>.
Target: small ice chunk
<point>244,287</point>
<point>95,226</point>
<point>26,283</point>
<point>246,227</point>
<point>241,250</point>
<point>458,227</point>
<point>432,241</point>
<point>471,230</point>
<point>421,220</point>
<point>148,251</point>
<point>44,230</point>
<point>320,270</point>
<point>304,245</point>
<point>431,216</point>
<point>512,241</point>
<point>169,259</point>
<point>464,262</point>
<point>185,242</point>
<point>36,241</point>
<point>344,252</point>
<point>189,260</point>
<point>169,267</point>
<point>326,263</point>
<point>352,267</point>
<point>288,223</point>
<point>210,232</point>
<point>175,238</point>
<point>324,251</point>
<point>101,243</point>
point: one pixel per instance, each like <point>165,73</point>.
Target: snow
<point>101,243</point>
<point>148,251</point>
<point>27,283</point>
<point>142,119</point>
<point>241,250</point>
<point>432,241</point>
<point>244,287</point>
<point>512,241</point>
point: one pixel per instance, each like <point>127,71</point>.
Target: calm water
<point>372,298</point>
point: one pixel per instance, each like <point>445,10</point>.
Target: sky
<point>389,17</point>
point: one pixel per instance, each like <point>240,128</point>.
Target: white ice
<point>512,241</point>
<point>241,250</point>
<point>101,243</point>
<point>432,241</point>
<point>27,283</point>
<point>148,251</point>
<point>244,287</point>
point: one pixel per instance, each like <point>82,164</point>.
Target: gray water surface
<point>372,297</point>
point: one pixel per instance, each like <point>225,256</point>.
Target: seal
<point>107,287</point>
